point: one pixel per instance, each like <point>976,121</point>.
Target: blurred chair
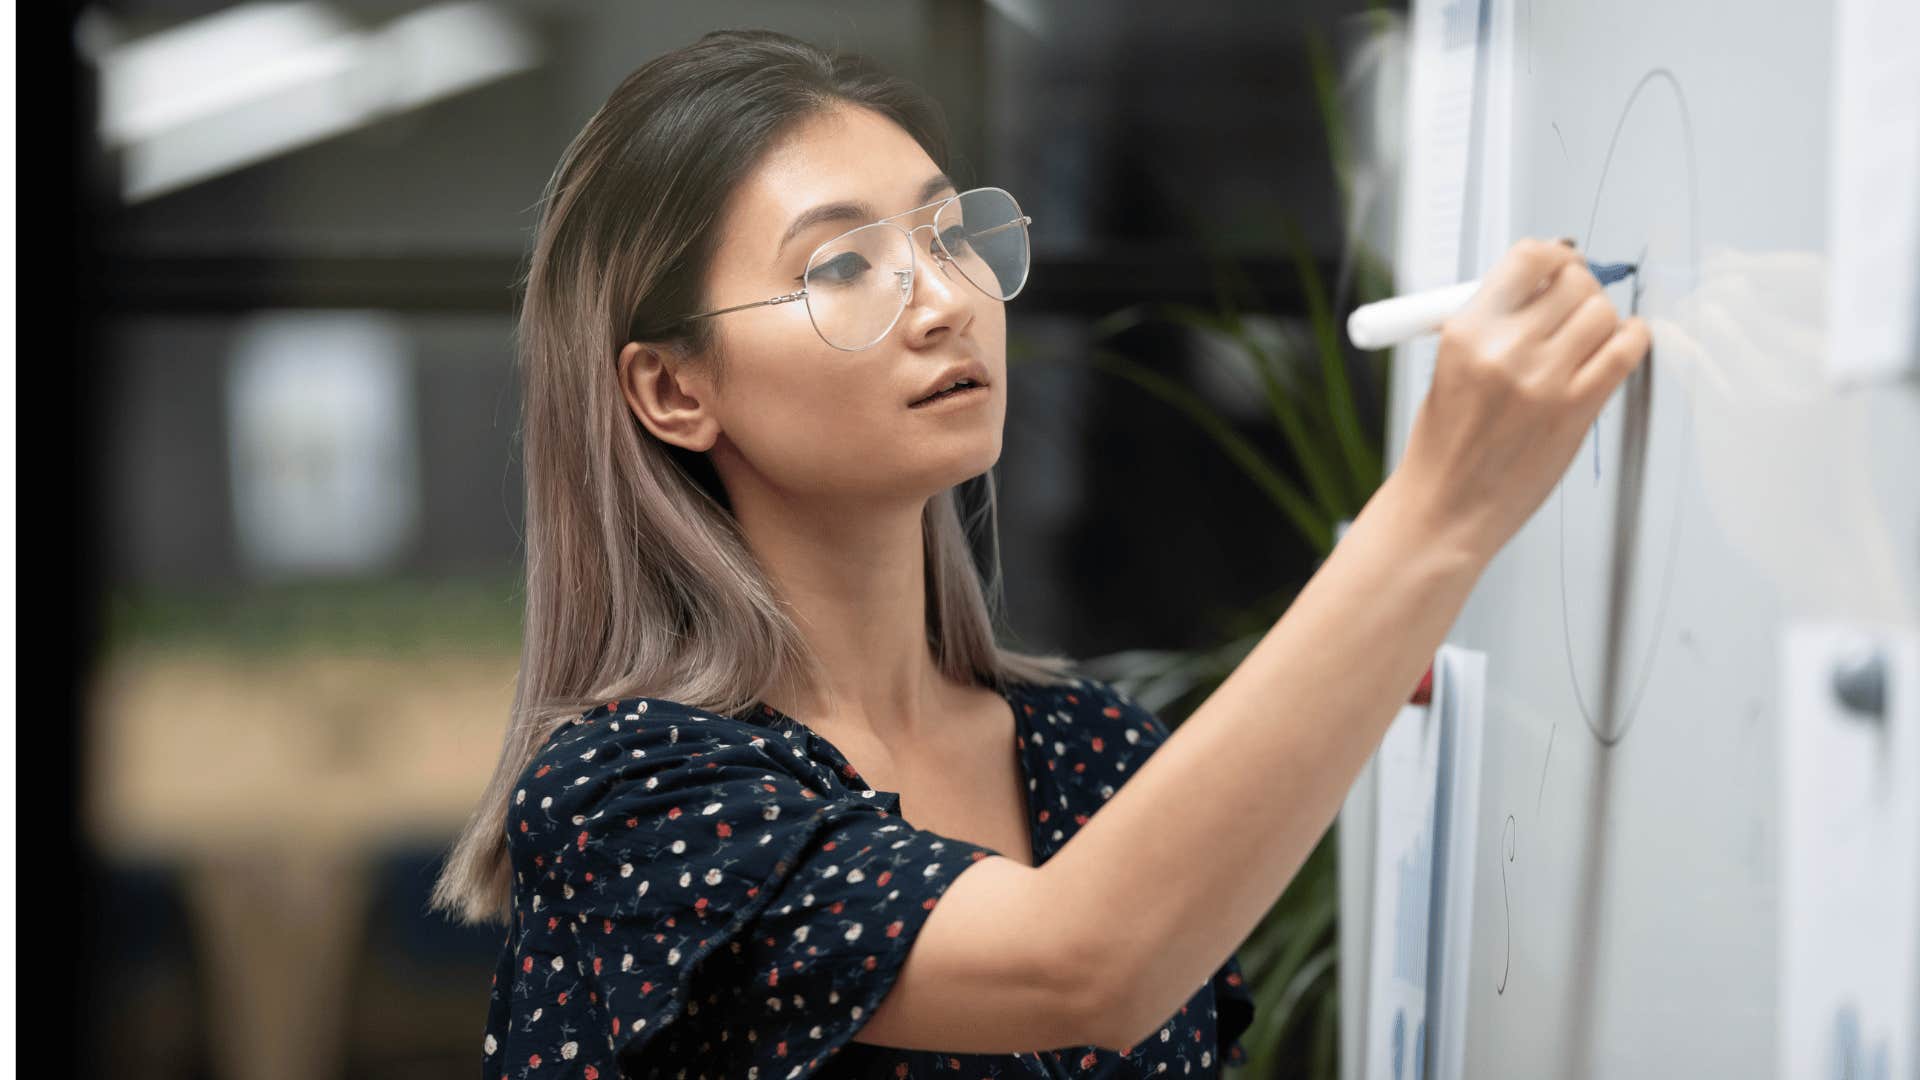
<point>279,784</point>
<point>420,983</point>
<point>149,982</point>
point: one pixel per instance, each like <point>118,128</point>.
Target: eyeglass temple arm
<point>788,298</point>
<point>1022,220</point>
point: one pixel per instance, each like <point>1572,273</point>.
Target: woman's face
<point>795,413</point>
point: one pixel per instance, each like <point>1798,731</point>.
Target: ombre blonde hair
<point>638,580</point>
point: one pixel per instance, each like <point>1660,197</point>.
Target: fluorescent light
<point>167,79</point>
<point>449,48</point>
<point>1026,14</point>
<point>261,79</point>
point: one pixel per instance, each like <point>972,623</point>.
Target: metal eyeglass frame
<point>906,276</point>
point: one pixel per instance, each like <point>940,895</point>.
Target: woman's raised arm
<point>1179,866</point>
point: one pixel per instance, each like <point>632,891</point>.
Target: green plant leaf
<point>1316,527</point>
<point>1326,1044</point>
<point>1323,476</point>
<point>1363,461</point>
<point>1117,322</point>
<point>1318,966</point>
<point>1326,94</point>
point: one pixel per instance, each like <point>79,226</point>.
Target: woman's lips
<point>946,396</point>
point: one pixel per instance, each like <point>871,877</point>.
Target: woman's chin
<point>951,470</point>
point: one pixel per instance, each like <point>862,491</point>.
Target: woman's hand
<point>1521,373</point>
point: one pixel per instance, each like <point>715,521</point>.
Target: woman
<point>773,803</point>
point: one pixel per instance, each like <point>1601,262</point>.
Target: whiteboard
<point>1627,871</point>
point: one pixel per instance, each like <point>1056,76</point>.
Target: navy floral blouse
<point>699,895</point>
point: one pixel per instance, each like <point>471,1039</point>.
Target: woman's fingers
<point>1518,275</point>
<point>1608,366</point>
<point>1592,322</point>
<point>1571,286</point>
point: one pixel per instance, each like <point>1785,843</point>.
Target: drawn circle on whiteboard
<point>1620,500</point>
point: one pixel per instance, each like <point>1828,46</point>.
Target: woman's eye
<point>955,238</point>
<point>842,269</point>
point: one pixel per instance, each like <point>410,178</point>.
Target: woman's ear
<point>671,397</point>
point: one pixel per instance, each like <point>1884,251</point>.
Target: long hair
<point>638,579</point>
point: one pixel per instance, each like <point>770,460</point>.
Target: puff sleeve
<point>689,897</point>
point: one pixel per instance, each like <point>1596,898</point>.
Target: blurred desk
<point>275,783</point>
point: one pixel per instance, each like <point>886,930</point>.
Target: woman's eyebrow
<point>856,211</point>
<point>837,211</point>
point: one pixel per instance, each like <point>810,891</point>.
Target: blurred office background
<point>300,600</point>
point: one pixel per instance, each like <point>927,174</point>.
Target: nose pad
<point>903,280</point>
<point>933,248</point>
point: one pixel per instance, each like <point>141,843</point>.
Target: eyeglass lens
<point>858,283</point>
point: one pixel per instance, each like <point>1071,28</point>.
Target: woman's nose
<point>936,300</point>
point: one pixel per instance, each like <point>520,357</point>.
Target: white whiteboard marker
<point>1394,320</point>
